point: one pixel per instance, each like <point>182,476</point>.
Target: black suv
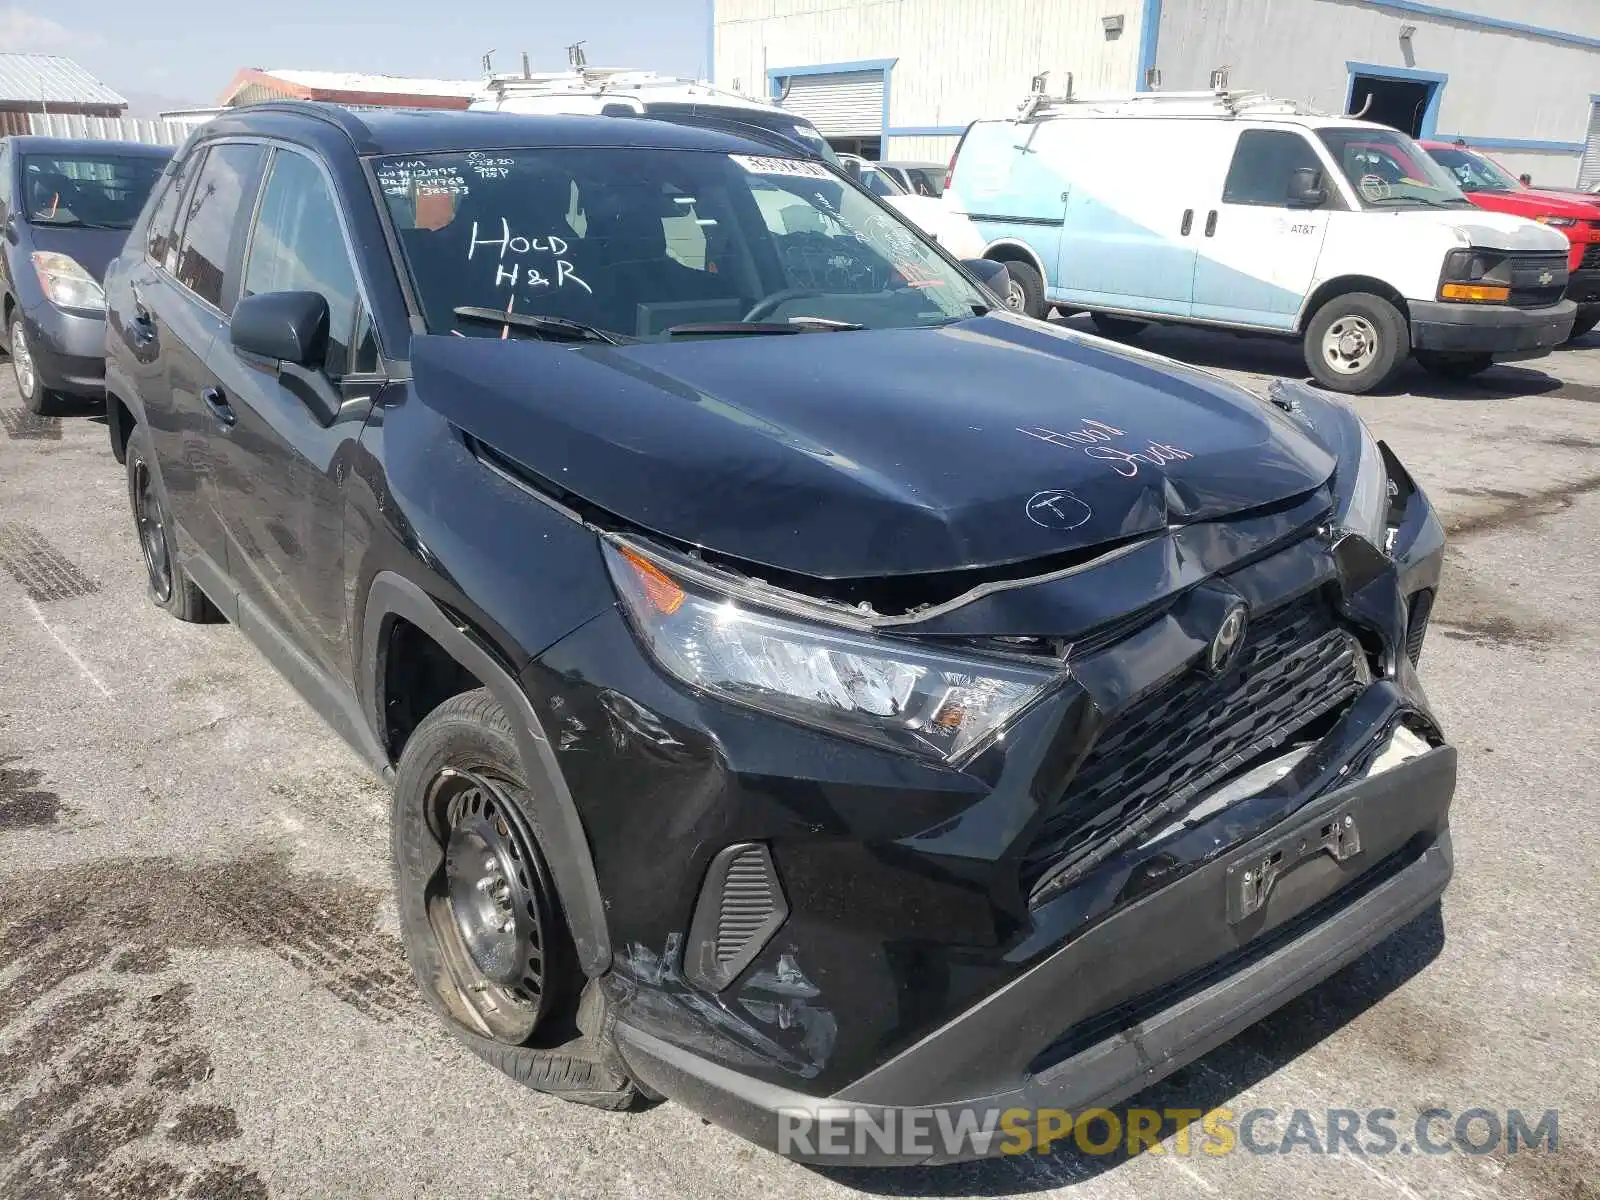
<point>808,692</point>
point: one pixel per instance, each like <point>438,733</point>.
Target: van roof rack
<point>1223,102</point>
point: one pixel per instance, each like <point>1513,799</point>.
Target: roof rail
<point>1222,102</point>
<point>330,114</point>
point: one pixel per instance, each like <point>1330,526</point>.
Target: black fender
<point>555,816</point>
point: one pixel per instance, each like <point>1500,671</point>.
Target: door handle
<point>219,406</point>
<point>1211,223</point>
<point>1188,222</point>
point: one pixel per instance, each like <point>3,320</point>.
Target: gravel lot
<point>201,993</point>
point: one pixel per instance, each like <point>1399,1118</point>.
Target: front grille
<point>1155,757</point>
<point>1421,609</point>
<point>1528,275</point>
<point>1591,258</point>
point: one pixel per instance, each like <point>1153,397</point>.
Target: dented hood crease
<point>863,454</point>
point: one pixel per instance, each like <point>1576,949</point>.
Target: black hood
<point>845,455</point>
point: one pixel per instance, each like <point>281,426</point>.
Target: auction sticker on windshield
<point>781,166</point>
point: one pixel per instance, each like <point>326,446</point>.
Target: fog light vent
<point>741,906</point>
<point>1417,623</point>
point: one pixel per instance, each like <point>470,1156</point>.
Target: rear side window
<point>298,246</point>
<point>221,197</point>
<point>160,244</point>
<point>1262,165</point>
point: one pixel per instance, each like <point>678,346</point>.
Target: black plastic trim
<point>703,963</point>
<point>555,816</point>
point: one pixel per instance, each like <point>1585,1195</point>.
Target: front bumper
<point>69,350</point>
<point>1502,330</point>
<point>1584,287</point>
<point>1309,928</point>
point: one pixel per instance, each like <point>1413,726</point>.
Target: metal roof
<point>30,78</point>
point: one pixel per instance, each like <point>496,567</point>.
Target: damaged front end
<point>979,844</point>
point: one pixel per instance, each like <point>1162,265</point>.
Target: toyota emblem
<point>1229,639</point>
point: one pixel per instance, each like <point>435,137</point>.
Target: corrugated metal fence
<point>150,131</point>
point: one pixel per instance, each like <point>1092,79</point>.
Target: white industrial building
<point>901,79</point>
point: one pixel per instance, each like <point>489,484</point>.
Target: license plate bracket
<point>1250,881</point>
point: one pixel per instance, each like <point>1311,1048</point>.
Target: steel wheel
<point>489,905</point>
<point>22,359</point>
<point>1016,298</point>
<point>152,533</point>
<point>1351,344</point>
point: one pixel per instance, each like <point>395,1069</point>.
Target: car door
<point>1257,255</point>
<point>292,429</point>
<point>177,298</point>
<point>1133,211</point>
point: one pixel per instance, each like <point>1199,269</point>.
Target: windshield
<point>1475,173</point>
<point>635,242</point>
<point>101,190</point>
<point>1389,170</point>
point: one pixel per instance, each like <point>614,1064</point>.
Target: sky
<point>188,50</point>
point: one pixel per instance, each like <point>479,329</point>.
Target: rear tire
<point>1026,293</point>
<point>36,398</point>
<point>1117,327</point>
<point>1453,366</point>
<point>1588,318</point>
<point>495,959</point>
<point>169,584</point>
<point>1356,342</point>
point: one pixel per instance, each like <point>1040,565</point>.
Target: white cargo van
<point>1240,211</point>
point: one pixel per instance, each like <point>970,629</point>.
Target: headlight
<point>1361,482</point>
<point>860,686</point>
<point>65,283</point>
<point>1367,510</point>
<point>1558,222</point>
<point>1474,275</point>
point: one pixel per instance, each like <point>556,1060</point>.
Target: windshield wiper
<point>758,328</point>
<point>550,327</point>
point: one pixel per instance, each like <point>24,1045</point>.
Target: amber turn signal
<point>1484,292</point>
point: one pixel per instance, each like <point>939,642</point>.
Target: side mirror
<point>285,326</point>
<point>993,275</point>
<point>1305,188</point>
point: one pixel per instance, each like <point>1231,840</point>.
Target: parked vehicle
<point>802,682</point>
<point>1490,186</point>
<point>919,179</point>
<point>593,91</point>
<point>951,230</point>
<point>66,205</point>
<point>1243,212</point>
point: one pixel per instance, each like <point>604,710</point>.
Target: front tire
<point>36,397</point>
<point>1588,318</point>
<point>482,924</point>
<point>168,583</point>
<point>1453,366</point>
<point>1025,295</point>
<point>1356,342</point>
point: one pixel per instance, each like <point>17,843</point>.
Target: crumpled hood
<point>862,454</point>
<point>1491,230</point>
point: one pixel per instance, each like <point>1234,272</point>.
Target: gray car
<point>66,206</point>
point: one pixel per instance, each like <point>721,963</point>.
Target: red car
<point>1490,186</point>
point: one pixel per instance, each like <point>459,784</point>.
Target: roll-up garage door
<point>849,104</point>
<point>1589,172</point>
